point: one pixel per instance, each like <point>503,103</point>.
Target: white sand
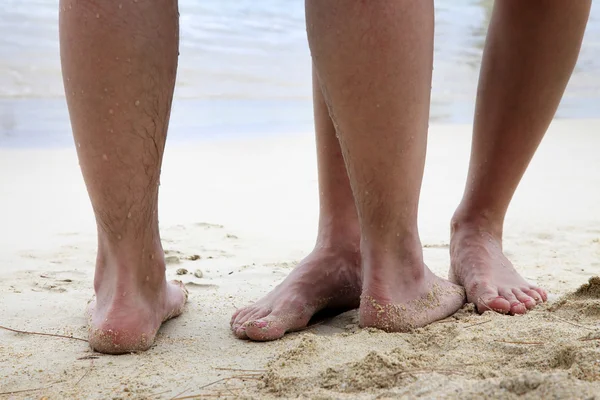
<point>249,209</point>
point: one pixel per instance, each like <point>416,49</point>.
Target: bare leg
<point>530,53</point>
<point>374,61</point>
<point>119,64</point>
<point>329,277</point>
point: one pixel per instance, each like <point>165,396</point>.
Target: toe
<point>240,317</point>
<point>239,328</point>
<point>541,293</point>
<point>235,315</point>
<point>524,298</point>
<point>488,299</point>
<point>535,295</point>
<point>516,307</point>
<point>240,332</point>
<point>498,304</point>
<point>267,328</point>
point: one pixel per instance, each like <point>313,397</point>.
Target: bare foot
<point>327,278</point>
<point>490,279</point>
<point>125,316</point>
<point>400,302</point>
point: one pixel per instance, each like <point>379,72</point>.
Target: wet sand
<point>238,215</point>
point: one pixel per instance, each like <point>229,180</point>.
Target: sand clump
<point>377,370</point>
<point>589,290</point>
<point>585,300</point>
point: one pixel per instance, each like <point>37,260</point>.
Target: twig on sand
<point>240,370</point>
<point>430,370</point>
<point>574,324</point>
<point>228,389</point>
<point>479,323</point>
<point>519,342</point>
<point>589,339</point>
<point>445,321</point>
<point>237,377</point>
<point>88,358</point>
<point>158,394</point>
<point>179,394</point>
<point>86,372</point>
<point>202,396</point>
<point>42,334</point>
<point>23,391</point>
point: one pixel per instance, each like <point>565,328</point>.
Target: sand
<point>238,216</point>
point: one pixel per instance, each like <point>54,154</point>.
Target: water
<point>244,69</point>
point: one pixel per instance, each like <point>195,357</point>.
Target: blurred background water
<point>244,69</point>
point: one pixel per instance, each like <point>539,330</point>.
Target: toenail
<point>261,324</point>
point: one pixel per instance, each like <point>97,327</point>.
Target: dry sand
<point>248,209</point>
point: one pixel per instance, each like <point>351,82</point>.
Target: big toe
<point>268,328</point>
<point>244,319</point>
<point>488,299</point>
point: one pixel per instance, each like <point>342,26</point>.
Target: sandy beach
<point>243,212</point>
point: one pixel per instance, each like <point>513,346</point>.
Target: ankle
<point>480,221</point>
<point>384,277</point>
<point>129,265</point>
<point>400,244</point>
<point>339,237</point>
<point>405,257</point>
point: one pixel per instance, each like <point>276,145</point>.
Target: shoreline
<point>248,207</point>
<point>43,123</point>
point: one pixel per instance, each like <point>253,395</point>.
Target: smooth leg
<point>119,64</point>
<point>374,62</point>
<point>329,277</point>
<point>530,53</point>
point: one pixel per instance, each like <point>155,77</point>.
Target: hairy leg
<point>119,64</point>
